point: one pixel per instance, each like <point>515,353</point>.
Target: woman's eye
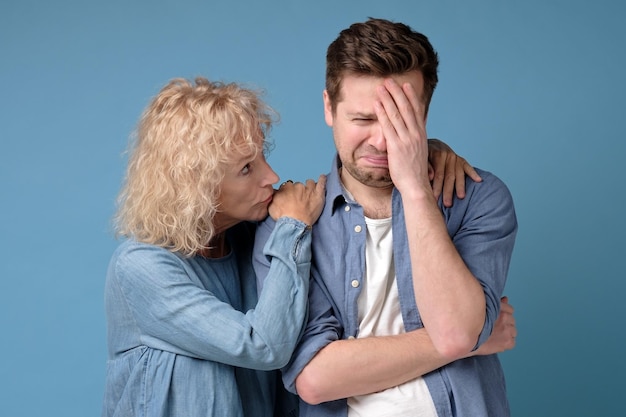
<point>246,169</point>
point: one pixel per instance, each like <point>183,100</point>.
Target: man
<point>405,313</point>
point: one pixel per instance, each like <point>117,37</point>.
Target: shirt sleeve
<point>175,314</point>
<point>321,329</point>
<point>322,326</point>
<point>260,261</point>
<point>484,235</point>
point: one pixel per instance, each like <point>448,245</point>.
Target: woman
<point>187,334</point>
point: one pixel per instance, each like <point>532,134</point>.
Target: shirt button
<point>355,283</point>
<point>347,208</point>
<point>357,229</point>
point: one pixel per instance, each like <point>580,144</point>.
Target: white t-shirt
<point>380,315</point>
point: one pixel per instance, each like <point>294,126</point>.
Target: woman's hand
<point>504,332</point>
<point>447,171</point>
<point>300,201</point>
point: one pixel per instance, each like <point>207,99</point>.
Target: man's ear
<point>328,110</point>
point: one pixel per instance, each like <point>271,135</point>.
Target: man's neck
<point>376,202</point>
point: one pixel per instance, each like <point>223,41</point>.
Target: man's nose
<point>377,138</point>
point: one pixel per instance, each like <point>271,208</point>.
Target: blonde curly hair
<point>186,137</point>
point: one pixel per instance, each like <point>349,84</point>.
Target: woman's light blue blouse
<point>189,336</point>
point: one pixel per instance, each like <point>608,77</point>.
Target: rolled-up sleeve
<point>484,234</point>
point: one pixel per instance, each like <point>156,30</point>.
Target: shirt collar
<point>336,195</point>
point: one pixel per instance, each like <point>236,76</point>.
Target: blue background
<point>530,90</point>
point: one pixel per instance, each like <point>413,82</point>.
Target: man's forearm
<point>450,299</point>
<point>346,368</point>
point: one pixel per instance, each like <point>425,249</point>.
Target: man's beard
<point>378,178</point>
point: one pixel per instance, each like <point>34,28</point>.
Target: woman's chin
<point>261,215</point>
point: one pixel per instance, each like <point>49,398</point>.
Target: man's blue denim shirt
<point>482,226</point>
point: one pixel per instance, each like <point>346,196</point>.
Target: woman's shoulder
<point>133,248</point>
<point>132,255</point>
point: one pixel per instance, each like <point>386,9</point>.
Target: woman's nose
<point>270,176</point>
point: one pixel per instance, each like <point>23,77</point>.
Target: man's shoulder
<point>490,184</point>
<point>481,197</point>
<point>488,177</point>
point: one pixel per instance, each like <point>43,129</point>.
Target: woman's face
<point>246,191</point>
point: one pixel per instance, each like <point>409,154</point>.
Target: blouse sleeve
<point>173,313</point>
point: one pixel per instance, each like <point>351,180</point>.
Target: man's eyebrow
<point>361,115</point>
